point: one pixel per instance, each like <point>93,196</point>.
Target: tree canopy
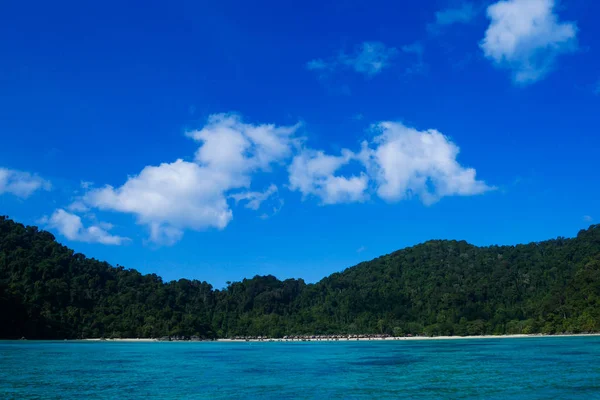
<point>441,287</point>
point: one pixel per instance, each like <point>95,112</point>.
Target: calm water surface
<point>531,368</point>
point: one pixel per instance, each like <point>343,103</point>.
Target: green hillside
<point>48,291</point>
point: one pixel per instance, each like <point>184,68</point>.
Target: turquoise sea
<point>528,368</point>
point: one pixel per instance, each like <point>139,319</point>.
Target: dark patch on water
<point>248,347</point>
<point>585,388</point>
<point>552,360</point>
<point>385,361</point>
<point>118,362</point>
<point>493,358</point>
<point>207,353</point>
<point>573,353</point>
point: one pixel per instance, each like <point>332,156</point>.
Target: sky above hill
<point>219,140</point>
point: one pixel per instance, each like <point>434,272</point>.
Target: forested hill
<point>436,288</point>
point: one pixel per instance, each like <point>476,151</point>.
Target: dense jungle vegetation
<point>47,291</point>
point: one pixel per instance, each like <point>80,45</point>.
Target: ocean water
<point>529,368</point>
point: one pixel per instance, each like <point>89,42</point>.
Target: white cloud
<point>313,173</point>
<point>70,226</point>
<point>526,37</point>
<point>234,147</point>
<point>361,249</point>
<point>172,197</point>
<point>78,206</point>
<point>86,184</point>
<point>450,16</point>
<point>597,88</point>
<point>105,225</point>
<point>21,184</point>
<point>255,199</point>
<point>587,218</point>
<point>398,163</point>
<point>275,208</point>
<point>368,58</point>
<point>406,162</point>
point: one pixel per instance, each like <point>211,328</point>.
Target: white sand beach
<point>345,339</point>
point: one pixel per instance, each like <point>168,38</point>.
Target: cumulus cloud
<point>255,199</point>
<point>234,147</point>
<point>70,226</point>
<point>172,197</point>
<point>21,184</point>
<point>169,198</point>
<point>397,163</point>
<point>526,37</point>
<point>314,173</point>
<point>368,58</point>
<point>405,162</point>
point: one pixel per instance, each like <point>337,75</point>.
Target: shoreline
<point>364,339</point>
<point>411,338</point>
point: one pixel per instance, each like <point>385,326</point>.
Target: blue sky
<point>219,141</point>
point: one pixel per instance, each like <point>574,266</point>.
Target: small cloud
<point>587,218</point>
<point>317,65</point>
<point>70,226</point>
<point>78,206</point>
<point>526,37</point>
<point>21,184</point>
<point>406,162</point>
<point>105,225</point>
<point>597,88</point>
<point>274,210</point>
<point>361,249</point>
<point>368,58</point>
<point>358,117</point>
<point>86,184</point>
<point>255,199</point>
<point>314,173</point>
<point>463,14</point>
